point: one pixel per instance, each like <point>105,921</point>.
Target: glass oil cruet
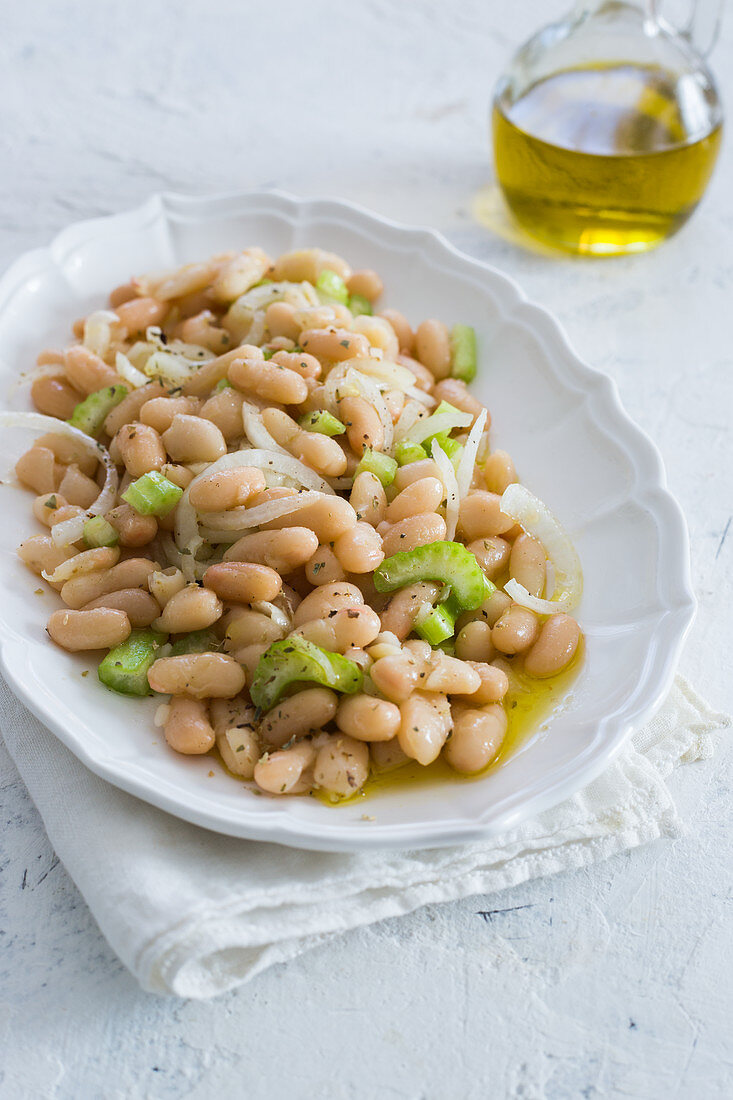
<point>607,126</point>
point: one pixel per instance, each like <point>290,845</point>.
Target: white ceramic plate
<point>562,422</point>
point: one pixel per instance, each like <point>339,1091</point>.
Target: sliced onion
<point>98,331</point>
<point>369,390</point>
<point>239,519</point>
<point>277,614</point>
<point>407,419</point>
<point>538,521</point>
<point>437,423</point>
<point>62,532</point>
<point>448,477</point>
<point>420,395</point>
<point>129,373</point>
<point>68,531</point>
<point>388,374</point>
<point>187,531</point>
<point>467,462</point>
<point>256,431</point>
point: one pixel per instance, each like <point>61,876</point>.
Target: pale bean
<point>368,498</point>
<point>134,529</point>
<point>476,739</point>
<point>226,489</point>
<point>473,643</point>
<point>239,749</point>
<point>499,472</point>
<point>365,282</point>
<point>243,582</point>
<point>494,685</point>
<point>414,531</point>
<point>192,608</point>
<point>97,561</point>
<point>396,676</point>
<point>326,599</point>
<point>87,372</point>
<point>187,726</point>
<point>68,450</point>
<point>307,366</point>
<point>425,722</point>
<point>341,766</point>
<point>69,511</point>
<point>158,413</point>
<point>249,657</point>
<point>193,439</point>
<point>555,647</point>
<point>351,626</point>
<point>360,549</point>
<point>456,393</point>
<point>421,496</point>
<point>480,515</point>
<point>163,584</point>
<point>179,475</point>
<point>202,675</point>
<point>317,451</point>
<point>378,332</point>
<point>385,756</point>
<point>41,554</point>
<point>515,630</point>
<point>55,396</point>
<point>235,713</point>
<point>203,330</point>
<point>324,567</point>
<point>305,712</point>
<point>268,381</point>
<point>139,313</point>
<point>139,606</point>
<point>451,676</point>
<point>528,565</point>
<point>306,264</point>
<point>129,408</point>
<point>244,627</point>
<point>284,550</point>
<point>399,614</point>
<point>131,573</point>
<point>330,517</point>
<point>236,276</point>
<point>394,401</point>
<point>432,346</point>
<point>415,471</point>
<point>46,506</point>
<point>225,410</point>
<point>363,426</point>
<point>402,329</point>
<point>203,380</point>
<point>36,470</point>
<point>423,378</point>
<point>102,628</point>
<point>281,772</point>
<point>334,343</point>
<point>367,718</point>
<point>119,294</point>
<point>78,488</point>
<point>492,554</point>
<point>280,320</point>
<point>140,448</point>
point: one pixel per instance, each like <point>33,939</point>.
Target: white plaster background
<point>610,982</point>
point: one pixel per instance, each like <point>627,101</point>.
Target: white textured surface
<point>608,982</point>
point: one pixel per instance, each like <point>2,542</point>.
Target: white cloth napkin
<point>194,913</point>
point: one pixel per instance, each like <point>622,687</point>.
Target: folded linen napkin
<point>194,913</point>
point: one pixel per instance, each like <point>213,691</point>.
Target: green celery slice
<point>463,352</point>
<point>99,532</point>
<point>376,463</point>
<point>90,414</point>
<point>323,422</point>
<point>293,660</point>
<point>125,668</point>
<point>448,562</point>
<point>152,494</point>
